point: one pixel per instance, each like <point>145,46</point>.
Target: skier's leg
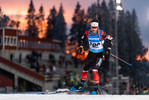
<point>83,79</point>
<point>96,76</point>
<point>88,63</point>
<point>84,76</point>
<point>96,82</point>
<point>97,63</point>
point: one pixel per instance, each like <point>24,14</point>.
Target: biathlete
<point>99,44</point>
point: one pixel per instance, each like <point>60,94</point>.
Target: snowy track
<point>71,97</point>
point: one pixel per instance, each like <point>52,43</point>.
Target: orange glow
<point>147,55</point>
<point>82,55</point>
<point>74,54</point>
<point>67,52</point>
<point>24,40</point>
<point>42,26</point>
<point>40,35</point>
<point>139,58</point>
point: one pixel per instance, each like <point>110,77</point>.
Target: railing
<point>22,69</point>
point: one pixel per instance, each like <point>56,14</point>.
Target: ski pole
<point>121,59</point>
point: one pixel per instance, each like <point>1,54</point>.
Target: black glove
<point>80,49</point>
<point>107,51</point>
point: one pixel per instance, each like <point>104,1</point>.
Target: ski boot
<point>80,86</point>
<point>95,90</point>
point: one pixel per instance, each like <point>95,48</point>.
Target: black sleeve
<point>82,40</point>
<point>108,42</point>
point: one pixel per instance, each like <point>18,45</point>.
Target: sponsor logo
<point>95,45</point>
<point>93,39</point>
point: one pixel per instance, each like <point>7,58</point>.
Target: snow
<point>71,97</point>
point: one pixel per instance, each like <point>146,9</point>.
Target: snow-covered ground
<point>71,97</point>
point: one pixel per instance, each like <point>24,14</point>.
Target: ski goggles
<point>94,24</point>
<point>94,27</point>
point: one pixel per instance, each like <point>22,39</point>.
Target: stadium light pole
<point>118,8</point>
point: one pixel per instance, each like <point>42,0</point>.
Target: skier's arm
<point>108,42</point>
<point>82,40</point>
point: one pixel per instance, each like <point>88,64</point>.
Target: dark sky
<point>142,10</point>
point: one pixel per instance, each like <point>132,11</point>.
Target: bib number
<point>94,45</point>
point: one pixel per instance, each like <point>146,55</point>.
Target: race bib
<point>95,45</point>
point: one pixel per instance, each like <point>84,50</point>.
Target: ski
<point>86,91</point>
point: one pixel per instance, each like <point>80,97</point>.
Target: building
<point>11,43</point>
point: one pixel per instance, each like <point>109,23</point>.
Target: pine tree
<point>60,26</point>
<point>31,21</point>
<point>123,44</point>
<point>4,19</point>
<point>79,24</point>
<point>41,22</point>
<point>1,18</point>
<point>73,30</point>
<point>136,50</point>
<point>12,23</point>
<point>128,37</point>
<point>78,7</point>
<point>140,49</point>
<point>50,23</point>
<point>106,18</point>
<point>112,18</point>
<point>92,11</point>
